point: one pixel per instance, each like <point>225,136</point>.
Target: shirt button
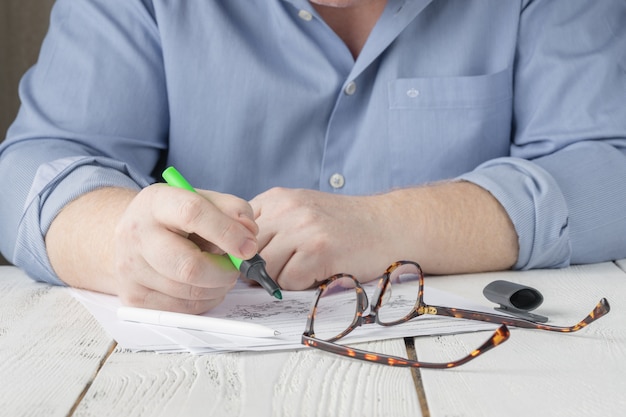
<point>350,88</point>
<point>305,15</point>
<point>413,93</point>
<point>337,181</point>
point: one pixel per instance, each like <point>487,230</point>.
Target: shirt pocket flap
<point>450,92</point>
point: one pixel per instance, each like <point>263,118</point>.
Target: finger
<point>276,257</point>
<point>292,268</point>
<point>144,297</point>
<point>302,272</point>
<point>181,260</point>
<point>205,245</point>
<point>233,206</point>
<point>134,271</point>
<point>136,292</point>
<point>186,212</point>
<point>190,292</point>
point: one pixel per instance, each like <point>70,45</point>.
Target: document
<point>251,304</point>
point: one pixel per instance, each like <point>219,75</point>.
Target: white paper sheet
<point>288,316</point>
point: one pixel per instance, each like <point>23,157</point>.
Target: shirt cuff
<point>55,185</point>
<point>534,202</point>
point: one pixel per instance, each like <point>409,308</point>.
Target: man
<point>335,136</point>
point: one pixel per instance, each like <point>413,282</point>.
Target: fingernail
<point>248,249</point>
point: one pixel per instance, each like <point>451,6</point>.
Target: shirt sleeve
<point>564,185</point>
<point>88,120</point>
<point>56,184</point>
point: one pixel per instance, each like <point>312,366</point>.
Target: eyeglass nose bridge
<point>380,287</point>
<point>371,317</point>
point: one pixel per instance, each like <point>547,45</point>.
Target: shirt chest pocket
<point>442,127</point>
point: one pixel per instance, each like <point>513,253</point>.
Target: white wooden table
<point>55,360</point>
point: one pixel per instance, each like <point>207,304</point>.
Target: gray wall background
<point>23,24</point>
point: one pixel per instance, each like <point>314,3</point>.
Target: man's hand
<point>160,248</point>
<point>306,236</point>
<point>452,227</point>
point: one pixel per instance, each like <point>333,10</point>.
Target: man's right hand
<point>160,248</point>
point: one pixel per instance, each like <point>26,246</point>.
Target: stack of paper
<point>251,304</point>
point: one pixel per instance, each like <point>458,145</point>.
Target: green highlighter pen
<point>253,268</point>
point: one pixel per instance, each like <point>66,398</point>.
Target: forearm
<point>80,239</point>
<point>451,227</point>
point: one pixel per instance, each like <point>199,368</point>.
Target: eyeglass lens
<point>336,308</point>
<point>337,305</point>
<point>401,294</point>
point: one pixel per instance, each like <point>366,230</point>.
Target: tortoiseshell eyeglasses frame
<point>420,308</point>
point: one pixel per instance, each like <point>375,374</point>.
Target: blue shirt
<point>524,98</point>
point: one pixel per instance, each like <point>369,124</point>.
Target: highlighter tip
<point>254,269</point>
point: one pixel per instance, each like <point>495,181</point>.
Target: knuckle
<point>187,269</point>
<point>228,230</point>
<point>304,281</point>
<point>238,203</point>
<point>319,243</point>
<point>274,192</point>
<point>309,219</point>
<point>133,298</point>
<point>190,210</point>
<point>283,196</point>
<point>196,293</point>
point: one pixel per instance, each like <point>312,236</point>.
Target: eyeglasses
<point>340,303</point>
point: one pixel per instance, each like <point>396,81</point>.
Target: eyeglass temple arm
<point>501,334</point>
<point>601,309</point>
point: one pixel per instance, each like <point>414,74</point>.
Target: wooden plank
<point>293,383</point>
<point>50,347</point>
<point>536,372</point>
